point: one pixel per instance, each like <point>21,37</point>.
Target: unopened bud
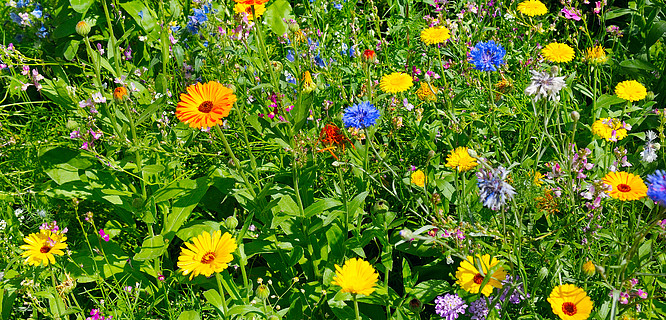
<point>575,116</point>
<point>263,292</point>
<point>380,206</point>
<point>472,153</point>
<point>431,154</point>
<point>231,223</point>
<point>293,25</point>
<point>589,268</point>
<point>649,96</point>
<point>277,66</point>
<point>83,28</point>
<point>600,270</point>
<point>554,70</point>
<point>415,305</point>
<point>407,235</point>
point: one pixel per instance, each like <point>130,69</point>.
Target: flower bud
<point>415,305</point>
<point>277,66</point>
<point>589,268</point>
<point>293,25</point>
<point>649,96</point>
<point>380,207</point>
<point>231,223</point>
<point>263,292</point>
<point>575,116</point>
<point>83,28</point>
<point>472,153</point>
<point>119,94</point>
<point>431,154</point>
<point>554,70</point>
<point>407,235</point>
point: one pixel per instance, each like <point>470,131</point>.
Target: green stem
<point>356,306</point>
<point>344,198</point>
<point>220,288</point>
<point>112,39</point>
<point>239,169</point>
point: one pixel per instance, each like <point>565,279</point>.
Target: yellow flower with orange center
<point>625,186</point>
<point>207,254</point>
<point>570,302</point>
<point>41,247</point>
<point>258,10</point>
<point>396,82</point>
<point>470,277</point>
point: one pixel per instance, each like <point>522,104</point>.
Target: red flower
<point>369,55</point>
<point>332,138</point>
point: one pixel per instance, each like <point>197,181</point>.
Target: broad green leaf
<point>277,11</point>
<point>243,310</point>
<point>183,206</point>
<point>321,206</point>
<point>189,315</point>
<point>81,6</point>
<point>141,14</point>
<point>151,248</point>
<point>213,297</point>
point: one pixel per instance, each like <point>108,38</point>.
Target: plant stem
<point>239,169</point>
<point>356,306</point>
<point>220,288</point>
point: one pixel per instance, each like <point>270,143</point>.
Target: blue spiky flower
<point>494,190</point>
<point>487,56</point>
<point>657,188</point>
<point>360,116</point>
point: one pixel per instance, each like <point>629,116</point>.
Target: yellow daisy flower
<point>596,55</point>
<point>425,93</point>
<point>570,302</point>
<point>461,160</point>
<point>258,10</point>
<point>41,247</point>
<point>625,186</point>
<point>631,90</point>
<point>609,129</point>
<point>396,82</point>
<point>435,35</point>
<point>204,105</point>
<point>589,268</point>
<point>470,278</point>
<point>532,8</point>
<point>207,254</point>
<point>418,178</point>
<point>356,276</point>
<point>558,52</point>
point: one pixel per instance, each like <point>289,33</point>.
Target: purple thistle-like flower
<point>479,308</point>
<point>494,190</point>
<point>657,188</point>
<point>450,306</point>
<point>517,294</point>
<point>487,56</point>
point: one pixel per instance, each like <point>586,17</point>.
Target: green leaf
<point>213,297</point>
<point>428,290</point>
<point>81,6</point>
<point>182,208</point>
<point>275,13</point>
<point>243,310</point>
<point>633,66</point>
<point>151,248</point>
<point>71,49</point>
<point>189,315</point>
<point>7,298</point>
<point>605,101</point>
<point>656,32</point>
<point>321,206</point>
<point>145,19</point>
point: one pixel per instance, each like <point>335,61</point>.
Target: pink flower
<point>642,294</point>
<point>571,14</point>
<point>103,235</point>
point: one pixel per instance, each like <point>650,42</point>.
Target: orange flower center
<point>478,278</point>
<point>208,257</point>
<point>45,249</point>
<point>623,187</point>
<point>569,308</point>
<point>206,107</point>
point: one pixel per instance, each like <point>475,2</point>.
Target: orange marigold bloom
<point>331,136</point>
<point>120,93</point>
<point>204,105</point>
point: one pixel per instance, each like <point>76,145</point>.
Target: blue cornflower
<point>22,3</point>
<point>37,12</point>
<point>657,188</point>
<point>42,33</point>
<point>494,191</point>
<point>360,116</point>
<point>15,17</point>
<point>487,56</point>
<point>198,18</point>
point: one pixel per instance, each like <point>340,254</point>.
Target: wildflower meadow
<point>314,159</point>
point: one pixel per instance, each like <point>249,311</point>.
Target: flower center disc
<point>478,279</point>
<point>206,107</point>
<point>208,257</point>
<point>569,308</point>
<point>623,187</point>
<point>45,249</point>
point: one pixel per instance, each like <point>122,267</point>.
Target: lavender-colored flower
<point>450,306</point>
<point>494,190</point>
<point>545,85</point>
<point>517,291</point>
<point>479,308</point>
<point>657,188</point>
<point>649,153</point>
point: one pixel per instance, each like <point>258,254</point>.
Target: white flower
<point>98,98</point>
<point>649,153</point>
<point>545,85</point>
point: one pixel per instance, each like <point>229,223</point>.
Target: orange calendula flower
<point>625,186</point>
<point>570,302</point>
<point>204,105</point>
<point>120,93</point>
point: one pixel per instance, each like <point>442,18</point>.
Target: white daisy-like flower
<point>545,85</point>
